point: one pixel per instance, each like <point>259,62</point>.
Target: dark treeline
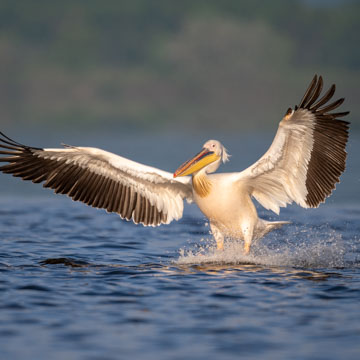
<point>160,63</point>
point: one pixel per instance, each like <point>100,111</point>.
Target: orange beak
<point>200,160</point>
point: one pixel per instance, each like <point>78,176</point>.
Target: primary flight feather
<point>302,165</point>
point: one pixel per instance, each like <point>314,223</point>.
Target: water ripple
<point>83,284</point>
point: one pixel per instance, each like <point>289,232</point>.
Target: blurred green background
<point>174,65</point>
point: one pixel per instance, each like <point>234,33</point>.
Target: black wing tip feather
<point>330,136</point>
<point>319,105</point>
<point>4,139</point>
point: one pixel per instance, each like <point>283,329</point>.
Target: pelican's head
<point>208,159</point>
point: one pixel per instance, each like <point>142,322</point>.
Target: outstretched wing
<point>307,156</point>
<point>101,179</point>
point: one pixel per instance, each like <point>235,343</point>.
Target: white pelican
<point>302,165</point>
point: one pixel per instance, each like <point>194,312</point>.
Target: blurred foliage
<point>171,64</point>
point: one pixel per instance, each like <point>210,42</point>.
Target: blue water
<point>77,283</point>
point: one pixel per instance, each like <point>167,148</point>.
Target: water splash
<point>320,247</point>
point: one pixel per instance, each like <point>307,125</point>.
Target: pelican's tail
<point>264,226</point>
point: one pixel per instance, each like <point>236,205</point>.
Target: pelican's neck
<point>201,184</point>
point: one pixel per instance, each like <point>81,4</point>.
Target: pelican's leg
<point>247,247</point>
<point>218,236</point>
<point>248,232</point>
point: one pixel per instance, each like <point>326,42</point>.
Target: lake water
<point>77,283</point>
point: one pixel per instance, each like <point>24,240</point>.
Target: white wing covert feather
<point>307,155</point>
<point>101,179</point>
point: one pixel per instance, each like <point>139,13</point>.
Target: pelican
<point>302,165</point>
